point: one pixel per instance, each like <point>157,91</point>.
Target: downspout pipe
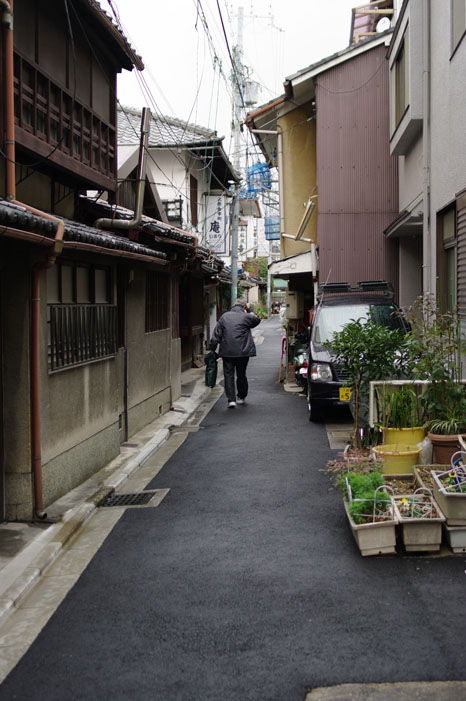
<point>52,253</point>
<point>429,245</point>
<point>141,181</point>
<point>36,443</point>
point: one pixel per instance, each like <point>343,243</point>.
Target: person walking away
<point>232,334</point>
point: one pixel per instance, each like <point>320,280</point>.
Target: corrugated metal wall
<point>356,176</point>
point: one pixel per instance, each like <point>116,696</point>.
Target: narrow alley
<point>244,582</point>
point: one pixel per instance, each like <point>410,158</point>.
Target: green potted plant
<point>400,419</point>
<point>446,402</point>
<point>400,413</point>
<point>370,512</point>
<point>435,347</point>
<point>366,351</point>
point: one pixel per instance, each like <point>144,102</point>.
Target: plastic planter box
<point>420,534</point>
<point>452,504</point>
<point>374,538</point>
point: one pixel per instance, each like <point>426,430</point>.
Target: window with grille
<point>82,322</point>
<point>157,301</point>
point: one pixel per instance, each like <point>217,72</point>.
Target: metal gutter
<point>92,248</point>
<point>141,181</point>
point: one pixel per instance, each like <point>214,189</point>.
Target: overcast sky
<point>280,37</point>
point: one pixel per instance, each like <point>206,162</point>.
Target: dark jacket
<point>233,333</point>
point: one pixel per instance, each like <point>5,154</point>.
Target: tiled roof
<point>164,131</point>
<point>103,209</point>
<point>118,34</point>
<point>18,217</point>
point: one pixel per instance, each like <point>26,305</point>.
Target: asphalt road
<point>245,583</point>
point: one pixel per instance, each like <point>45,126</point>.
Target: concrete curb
<point>24,571</point>
<point>397,691</point>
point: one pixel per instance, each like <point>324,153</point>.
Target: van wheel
<point>314,410</point>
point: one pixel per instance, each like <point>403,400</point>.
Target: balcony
<point>52,124</point>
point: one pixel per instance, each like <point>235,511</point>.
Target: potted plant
<point>435,345</point>
<point>446,401</point>
<point>450,493</point>
<point>366,351</point>
<point>453,508</point>
<point>400,413</point>
<point>370,512</point>
<point>420,519</point>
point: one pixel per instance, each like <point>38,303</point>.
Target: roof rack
<point>372,285</point>
<point>361,286</point>
<point>327,287</point>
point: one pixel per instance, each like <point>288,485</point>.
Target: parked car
<point>338,304</point>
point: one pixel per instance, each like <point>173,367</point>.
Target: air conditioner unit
<point>294,305</point>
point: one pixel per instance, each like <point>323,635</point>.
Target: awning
<point>293,265</point>
<point>409,222</point>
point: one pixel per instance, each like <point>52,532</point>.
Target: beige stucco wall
<point>176,368</point>
<point>149,360</point>
<point>299,176</point>
<point>81,405</point>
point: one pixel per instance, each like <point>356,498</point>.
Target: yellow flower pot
<point>403,436</point>
<point>397,459</point>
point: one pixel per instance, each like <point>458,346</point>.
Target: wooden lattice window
<point>83,324</point>
<point>50,113</point>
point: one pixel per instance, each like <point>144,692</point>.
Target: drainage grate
<point>128,499</point>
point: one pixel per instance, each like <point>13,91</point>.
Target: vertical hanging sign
<point>216,225</point>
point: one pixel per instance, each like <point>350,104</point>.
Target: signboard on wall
<point>216,224</point>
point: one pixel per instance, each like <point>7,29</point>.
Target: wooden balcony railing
<point>50,113</point>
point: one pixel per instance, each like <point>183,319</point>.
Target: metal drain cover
<point>128,499</point>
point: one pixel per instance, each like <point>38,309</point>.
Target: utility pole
<point>237,82</point>
<point>234,244</point>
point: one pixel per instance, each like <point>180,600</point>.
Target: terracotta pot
<point>444,447</point>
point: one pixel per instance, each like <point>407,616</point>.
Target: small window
<point>83,285</point>
<point>101,286</point>
<point>446,258</point>
<point>401,82</point>
<point>68,283</point>
<point>193,198</point>
<point>458,21</point>
<point>157,302</point>
<point>53,293</point>
<point>66,296</point>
